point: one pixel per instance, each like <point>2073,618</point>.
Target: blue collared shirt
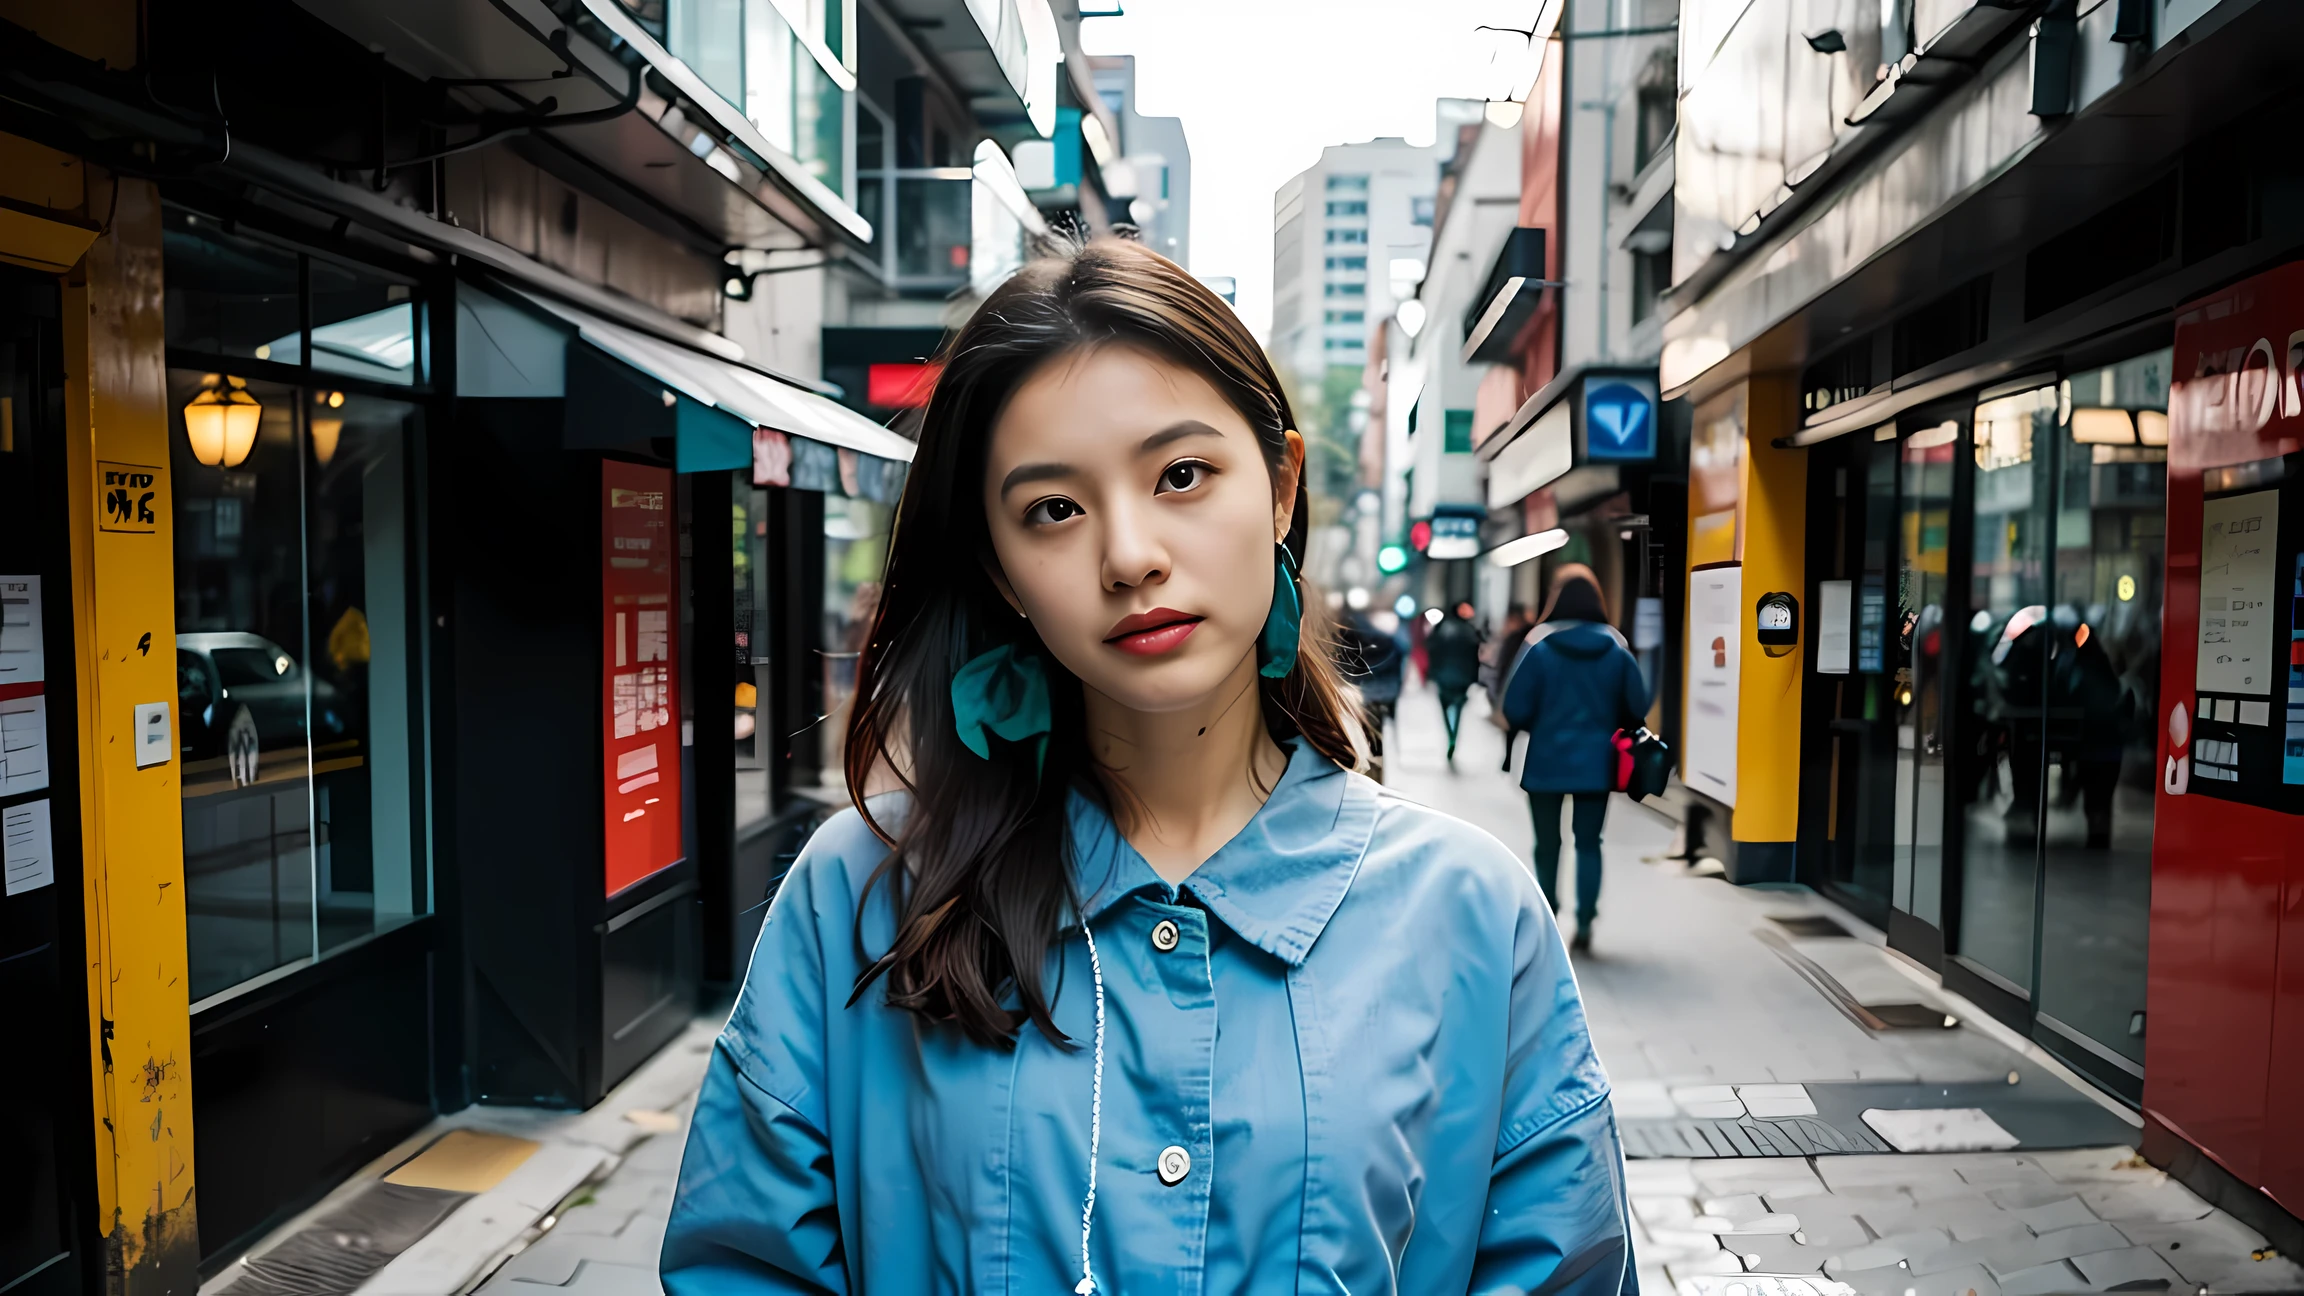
<point>1362,1034</point>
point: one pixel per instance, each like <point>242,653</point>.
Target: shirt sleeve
<point>1556,1220</point>
<point>755,1211</point>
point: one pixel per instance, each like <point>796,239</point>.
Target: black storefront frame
<point>273,1047</point>
<point>1938,945</point>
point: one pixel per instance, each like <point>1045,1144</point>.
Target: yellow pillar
<point>124,633</point>
<point>1773,537</point>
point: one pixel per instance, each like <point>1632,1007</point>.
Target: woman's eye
<point>1182,477</point>
<point>1052,510</point>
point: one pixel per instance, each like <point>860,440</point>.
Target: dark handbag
<point>1643,763</point>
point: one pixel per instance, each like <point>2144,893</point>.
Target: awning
<point>747,395</point>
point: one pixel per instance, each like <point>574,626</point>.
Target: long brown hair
<point>980,865</point>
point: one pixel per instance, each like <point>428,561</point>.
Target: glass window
<point>933,237</point>
<point>754,721</point>
<point>1348,182</point>
<point>708,35</point>
<point>297,709</point>
<point>855,554</point>
<point>820,122</point>
<point>226,294</point>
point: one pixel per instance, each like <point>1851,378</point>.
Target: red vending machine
<point>2224,1045</point>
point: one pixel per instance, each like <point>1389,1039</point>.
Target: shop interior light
<point>2152,427</point>
<point>326,432</point>
<point>221,422</point>
<point>1405,605</point>
<point>1411,316</point>
<point>1943,434</point>
<point>1390,559</point>
<point>2105,427</point>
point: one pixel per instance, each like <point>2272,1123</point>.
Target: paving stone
<point>1719,1262</point>
<point>1776,1101</point>
<point>1838,1232</point>
<point>2202,1250</point>
<point>2107,1270</point>
<point>1708,1102</point>
<point>2028,1196</point>
<point>1967,1280</point>
<point>1669,1245</point>
<point>594,1220</point>
<point>1893,1249</point>
<point>1660,1178</point>
<point>2069,1212</point>
<point>1740,1206</point>
<point>2166,1200</point>
<point>1641,1099</point>
<point>2091,1165</point>
<point>2278,1274</point>
<point>1655,1282</point>
<point>1663,1212</point>
<point>2015,1252</point>
<point>2057,1278</point>
<point>595,1278</point>
<point>1785,1177</point>
<point>1888,1281</point>
<point>1778,1255</point>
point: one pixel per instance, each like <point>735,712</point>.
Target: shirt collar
<point>1275,884</point>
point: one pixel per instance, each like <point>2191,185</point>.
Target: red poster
<point>639,672</point>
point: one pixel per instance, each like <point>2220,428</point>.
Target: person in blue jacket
<point>1128,982</point>
<point>1576,684</point>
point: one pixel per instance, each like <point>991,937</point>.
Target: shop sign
<point>1454,535</point>
<point>639,687</point>
<point>1715,632</point>
<point>1620,420</point>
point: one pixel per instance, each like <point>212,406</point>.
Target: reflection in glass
<point>755,723</point>
<point>242,698</point>
<point>2008,634</point>
<point>1924,523</point>
<point>295,701</point>
<point>855,554</point>
<point>2104,676</point>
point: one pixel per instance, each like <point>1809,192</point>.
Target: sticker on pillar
<point>153,744</point>
<point>127,498</point>
<point>1776,623</point>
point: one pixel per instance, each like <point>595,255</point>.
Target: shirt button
<point>1175,1165</point>
<point>1164,938</point>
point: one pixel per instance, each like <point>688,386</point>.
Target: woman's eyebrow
<point>1176,432</point>
<point>1026,474</point>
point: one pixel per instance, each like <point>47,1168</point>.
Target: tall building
<point>1349,237</point>
<point>1153,150</point>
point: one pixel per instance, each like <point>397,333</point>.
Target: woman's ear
<point>1285,479</point>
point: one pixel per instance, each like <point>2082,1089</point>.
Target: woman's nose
<point>1134,554</point>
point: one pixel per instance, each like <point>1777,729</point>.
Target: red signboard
<point>900,386</point>
<point>639,672</point>
<point>2226,998</point>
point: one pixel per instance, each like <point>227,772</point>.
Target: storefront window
<point>855,554</point>
<point>755,722</point>
<point>298,708</point>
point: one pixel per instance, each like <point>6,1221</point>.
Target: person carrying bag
<point>1579,693</point>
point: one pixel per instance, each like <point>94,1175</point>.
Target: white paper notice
<point>23,745</point>
<point>27,854</point>
<point>20,652</point>
<point>2237,537</point>
<point>1833,633</point>
<point>1715,631</point>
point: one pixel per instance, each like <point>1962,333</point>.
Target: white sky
<point>1263,85</point>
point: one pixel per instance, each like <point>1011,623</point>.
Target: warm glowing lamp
<point>325,434</point>
<point>220,422</point>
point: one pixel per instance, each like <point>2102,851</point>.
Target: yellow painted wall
<point>124,632</point>
<point>1773,530</point>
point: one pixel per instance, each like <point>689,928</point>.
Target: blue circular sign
<point>1619,422</point>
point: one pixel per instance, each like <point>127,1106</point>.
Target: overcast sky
<point>1263,85</point>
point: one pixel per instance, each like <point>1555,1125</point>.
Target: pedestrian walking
<point>977,1049</point>
<point>1575,686</point>
<point>1454,650</point>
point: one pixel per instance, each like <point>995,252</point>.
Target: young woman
<point>1576,684</point>
<point>1135,986</point>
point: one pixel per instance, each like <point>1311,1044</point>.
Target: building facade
<point>443,476</point>
<point>1983,337</point>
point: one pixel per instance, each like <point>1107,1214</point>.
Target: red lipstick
<point>1149,634</point>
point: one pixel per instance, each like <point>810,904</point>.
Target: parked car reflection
<point>240,696</point>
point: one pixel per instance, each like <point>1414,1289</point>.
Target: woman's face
<point>1133,521</point>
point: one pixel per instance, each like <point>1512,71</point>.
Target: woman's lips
<point>1148,634</point>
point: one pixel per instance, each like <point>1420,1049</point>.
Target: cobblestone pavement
<point>1707,1010</point>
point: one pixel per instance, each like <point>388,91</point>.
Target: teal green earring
<point>1003,692</point>
<point>1284,625</point>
